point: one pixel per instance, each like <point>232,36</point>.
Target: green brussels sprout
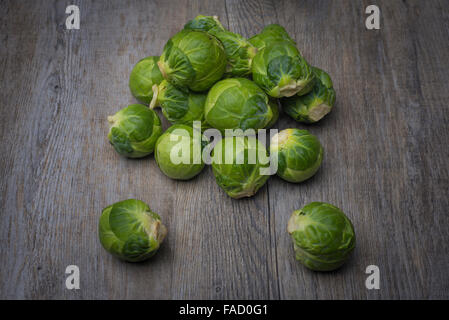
<point>144,75</point>
<point>275,110</point>
<point>237,103</point>
<point>179,106</point>
<point>178,153</point>
<point>130,230</point>
<point>193,59</point>
<point>281,71</point>
<point>134,131</point>
<point>204,23</point>
<point>269,34</point>
<point>313,106</point>
<point>239,52</point>
<point>237,162</point>
<point>299,154</point>
<point>323,237</point>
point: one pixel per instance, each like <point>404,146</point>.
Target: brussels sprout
<point>178,154</point>
<point>144,75</point>
<point>204,23</point>
<point>281,71</point>
<point>236,164</point>
<point>299,154</point>
<point>134,131</point>
<point>313,106</point>
<point>179,106</point>
<point>239,52</point>
<point>237,103</point>
<point>275,110</point>
<point>323,237</point>
<point>130,230</point>
<point>193,59</point>
<point>269,34</point>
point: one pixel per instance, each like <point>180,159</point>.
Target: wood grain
<point>386,156</point>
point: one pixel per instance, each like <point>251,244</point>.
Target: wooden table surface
<point>386,155</point>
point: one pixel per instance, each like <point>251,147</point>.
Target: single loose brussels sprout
<point>134,131</point>
<point>193,59</point>
<point>271,33</point>
<point>275,110</point>
<point>237,103</point>
<point>130,230</point>
<point>323,237</point>
<point>237,163</point>
<point>144,75</point>
<point>313,106</point>
<point>299,154</point>
<point>178,153</point>
<point>204,23</point>
<point>281,71</point>
<point>179,106</point>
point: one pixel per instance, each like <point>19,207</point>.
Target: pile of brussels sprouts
<point>209,75</point>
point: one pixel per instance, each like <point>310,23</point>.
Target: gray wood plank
<point>386,156</point>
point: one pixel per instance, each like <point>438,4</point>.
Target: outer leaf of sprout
<point>204,23</point>
<point>269,34</point>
